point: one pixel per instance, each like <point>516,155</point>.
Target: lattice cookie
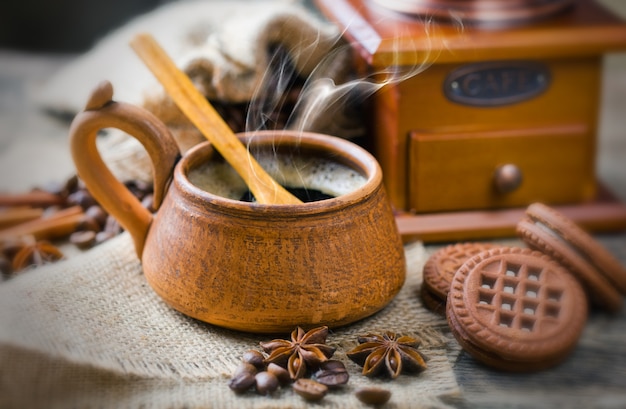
<point>516,309</point>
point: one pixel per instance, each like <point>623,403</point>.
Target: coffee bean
<point>242,382</point>
<point>138,188</point>
<point>81,198</point>
<point>56,188</point>
<point>71,184</point>
<point>50,210</point>
<point>254,358</point>
<point>243,377</point>
<point>266,383</point>
<point>112,225</point>
<point>98,214</point>
<point>80,185</point>
<point>372,395</point>
<point>332,373</point>
<point>103,236</point>
<point>88,223</point>
<point>333,365</point>
<point>148,202</point>
<point>83,239</point>
<point>244,367</point>
<point>309,389</point>
<point>281,373</point>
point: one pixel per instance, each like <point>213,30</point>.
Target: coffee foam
<point>327,176</point>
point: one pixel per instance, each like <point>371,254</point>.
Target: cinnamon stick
<point>58,225</point>
<point>35,198</point>
<point>11,216</point>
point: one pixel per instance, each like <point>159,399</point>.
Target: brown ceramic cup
<point>243,265</point>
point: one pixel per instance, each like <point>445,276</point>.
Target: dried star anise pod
<point>35,253</point>
<point>305,351</point>
<point>388,353</point>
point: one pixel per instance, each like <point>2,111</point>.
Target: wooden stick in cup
<point>200,112</point>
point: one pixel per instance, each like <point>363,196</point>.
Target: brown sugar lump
<point>516,309</point>
<point>439,271</point>
<point>550,232</point>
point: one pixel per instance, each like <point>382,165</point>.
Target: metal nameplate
<point>496,83</point>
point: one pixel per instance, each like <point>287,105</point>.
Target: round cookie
<point>516,309</point>
<point>546,230</point>
<point>432,302</point>
<point>441,266</point>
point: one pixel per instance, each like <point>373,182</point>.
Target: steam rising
<point>320,94</point>
<point>320,97</point>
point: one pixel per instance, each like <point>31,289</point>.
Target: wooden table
<point>33,149</point>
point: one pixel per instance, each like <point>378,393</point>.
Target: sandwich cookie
<point>550,232</point>
<point>440,268</point>
<point>516,309</point>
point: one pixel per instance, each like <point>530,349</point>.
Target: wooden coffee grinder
<point>502,110</point>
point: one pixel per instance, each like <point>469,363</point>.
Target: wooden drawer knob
<point>507,178</point>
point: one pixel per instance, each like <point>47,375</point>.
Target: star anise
<point>388,353</point>
<point>306,351</point>
<point>35,253</point>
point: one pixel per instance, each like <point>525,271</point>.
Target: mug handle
<point>102,112</point>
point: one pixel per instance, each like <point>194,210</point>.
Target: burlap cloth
<point>88,331</point>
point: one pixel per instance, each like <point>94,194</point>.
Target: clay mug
<point>243,265</point>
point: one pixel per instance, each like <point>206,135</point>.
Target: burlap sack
<point>224,46</point>
<point>90,332</point>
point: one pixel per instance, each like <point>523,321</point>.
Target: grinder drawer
<point>466,170</point>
